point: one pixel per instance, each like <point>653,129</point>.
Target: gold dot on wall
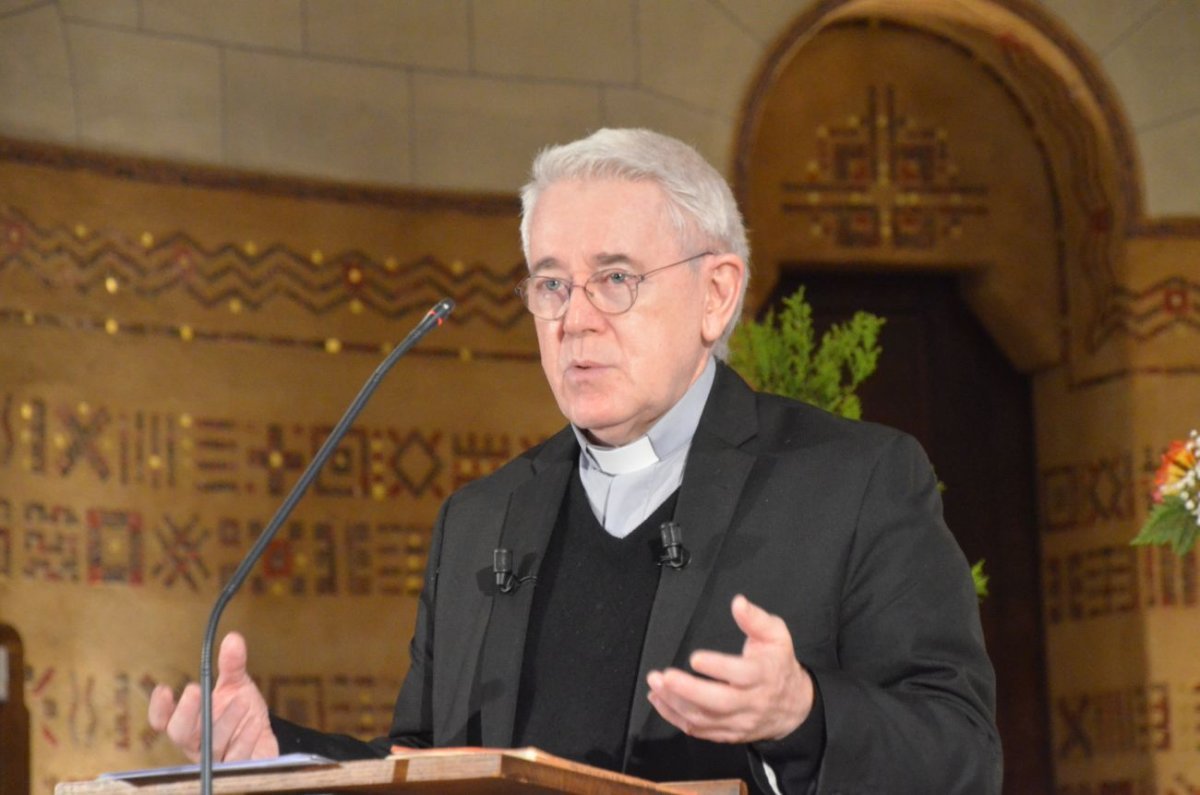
<point>186,333</point>
<point>385,346</point>
<point>80,230</point>
<point>185,420</point>
<point>277,588</point>
<point>115,545</point>
<point>111,285</point>
<point>112,326</point>
<point>275,459</point>
<point>147,240</point>
<point>465,355</point>
<point>333,345</point>
<point>235,305</point>
<point>378,491</point>
<point>250,248</point>
<point>457,267</point>
<point>156,462</point>
<point>316,257</point>
<point>391,264</point>
<point>83,409</point>
<point>60,441</point>
<point>28,317</point>
<point>356,306</point>
<point>26,411</point>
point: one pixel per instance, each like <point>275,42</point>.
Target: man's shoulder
<point>788,425</point>
<point>520,468</point>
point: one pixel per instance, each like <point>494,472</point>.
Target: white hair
<point>700,205</point>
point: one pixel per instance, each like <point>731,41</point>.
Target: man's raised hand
<point>762,694</point>
<point>241,726</point>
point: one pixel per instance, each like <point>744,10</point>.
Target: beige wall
<point>459,93</point>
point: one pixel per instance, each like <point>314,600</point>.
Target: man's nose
<point>582,314</point>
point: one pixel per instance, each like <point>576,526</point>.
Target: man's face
<point>614,376</point>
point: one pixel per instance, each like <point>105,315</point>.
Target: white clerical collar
<point>631,457</point>
<point>672,431</point>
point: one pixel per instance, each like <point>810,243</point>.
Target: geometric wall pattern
<point>160,394</point>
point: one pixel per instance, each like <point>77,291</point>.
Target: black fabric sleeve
<point>796,758</point>
<point>294,738</point>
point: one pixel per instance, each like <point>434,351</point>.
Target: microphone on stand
<point>435,317</point>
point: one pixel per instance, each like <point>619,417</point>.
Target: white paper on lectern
<point>284,762</point>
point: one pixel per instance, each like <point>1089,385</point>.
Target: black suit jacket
<point>834,525</point>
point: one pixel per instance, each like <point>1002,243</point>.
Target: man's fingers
<point>694,696</point>
<point>184,725</point>
<point>162,705</point>
<point>733,669</point>
<point>758,624</point>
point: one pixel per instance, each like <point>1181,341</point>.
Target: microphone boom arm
<point>435,317</point>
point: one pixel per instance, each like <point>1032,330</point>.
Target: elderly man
<point>818,631</point>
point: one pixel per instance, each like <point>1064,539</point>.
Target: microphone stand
<point>435,317</point>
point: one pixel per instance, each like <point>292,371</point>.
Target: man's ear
<point>722,284</point>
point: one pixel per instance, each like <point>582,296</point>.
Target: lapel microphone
<point>674,554</point>
<point>506,581</point>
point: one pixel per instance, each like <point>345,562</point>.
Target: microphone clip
<point>674,554</point>
<point>506,581</point>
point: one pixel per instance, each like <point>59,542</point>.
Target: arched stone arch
<point>997,149</point>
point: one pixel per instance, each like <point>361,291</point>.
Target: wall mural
<point>161,391</point>
<point>883,179</point>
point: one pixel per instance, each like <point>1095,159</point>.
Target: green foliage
<point>780,355</point>
<point>981,579</point>
<point>1170,524</point>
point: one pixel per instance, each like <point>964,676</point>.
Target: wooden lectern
<point>464,771</point>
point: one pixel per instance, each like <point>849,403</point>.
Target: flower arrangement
<point>1175,518</point>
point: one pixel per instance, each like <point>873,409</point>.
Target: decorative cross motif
<point>881,180</point>
<point>277,461</point>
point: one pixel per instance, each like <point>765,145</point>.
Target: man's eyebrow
<point>543,264</point>
<point>605,260</point>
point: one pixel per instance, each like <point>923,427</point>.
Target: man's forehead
<point>603,259</point>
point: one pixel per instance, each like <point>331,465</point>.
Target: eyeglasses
<point>612,290</point>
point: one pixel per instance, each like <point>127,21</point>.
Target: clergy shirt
<point>625,484</point>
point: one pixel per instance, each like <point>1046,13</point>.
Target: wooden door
<point>942,379</point>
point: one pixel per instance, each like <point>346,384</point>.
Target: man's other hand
<point>241,727</point>
<point>762,694</point>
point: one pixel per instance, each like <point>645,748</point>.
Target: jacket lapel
<point>532,512</point>
<point>713,480</point>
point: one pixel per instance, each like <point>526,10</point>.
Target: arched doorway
<point>965,162</point>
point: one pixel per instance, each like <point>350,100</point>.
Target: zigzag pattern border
<point>181,332</point>
<point>90,261</point>
<point>1146,314</point>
